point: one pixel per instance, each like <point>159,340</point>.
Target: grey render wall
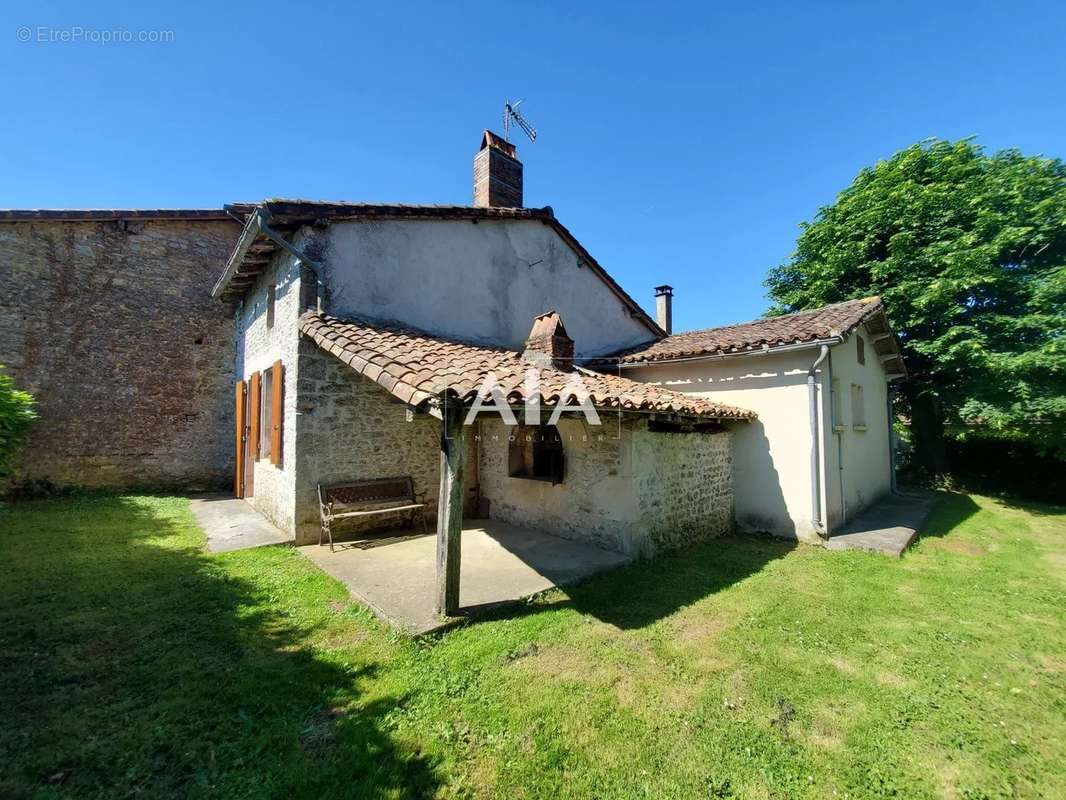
<point>113,329</point>
<point>625,488</point>
<point>481,282</point>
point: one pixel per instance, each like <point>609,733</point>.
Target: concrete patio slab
<point>888,526</point>
<point>501,563</point>
<point>232,524</point>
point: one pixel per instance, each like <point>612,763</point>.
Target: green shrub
<point>16,414</point>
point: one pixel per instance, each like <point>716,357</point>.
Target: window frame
<point>266,383</point>
<point>858,407</point>
<point>536,453</point>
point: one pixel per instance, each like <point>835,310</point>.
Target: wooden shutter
<point>239,419</point>
<point>277,411</point>
<point>254,413</point>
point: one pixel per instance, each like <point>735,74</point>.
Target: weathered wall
<point>481,282</point>
<point>113,330</point>
<point>350,428</point>
<point>771,455</point>
<point>684,485</point>
<point>273,486</point>
<point>625,488</point>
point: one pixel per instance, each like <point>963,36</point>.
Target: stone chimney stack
<point>497,173</point>
<point>664,307</point>
<point>548,343</point>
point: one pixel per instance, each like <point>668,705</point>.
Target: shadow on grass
<point>644,592</point>
<point>134,665</point>
<point>951,510</point>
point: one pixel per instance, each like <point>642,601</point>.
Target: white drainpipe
<point>812,400</point>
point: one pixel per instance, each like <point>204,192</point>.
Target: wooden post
<point>450,506</point>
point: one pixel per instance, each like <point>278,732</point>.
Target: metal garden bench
<point>368,498</point>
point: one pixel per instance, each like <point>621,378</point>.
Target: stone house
<point>293,343</point>
<point>357,324</point>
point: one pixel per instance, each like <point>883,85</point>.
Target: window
<point>858,408</point>
<point>860,349</point>
<point>536,452</point>
<point>267,382</point>
<point>837,405</point>
<point>272,296</point>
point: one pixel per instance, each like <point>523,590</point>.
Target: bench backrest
<point>367,491</point>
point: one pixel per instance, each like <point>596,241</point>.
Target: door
<point>241,439</point>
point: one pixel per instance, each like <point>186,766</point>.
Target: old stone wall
<point>350,428</point>
<point>684,485</point>
<point>111,326</point>
<point>626,488</point>
<point>594,503</point>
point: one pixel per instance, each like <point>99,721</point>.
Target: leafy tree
<point>969,252</point>
<point>16,414</point>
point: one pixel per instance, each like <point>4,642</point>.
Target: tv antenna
<point>512,114</point>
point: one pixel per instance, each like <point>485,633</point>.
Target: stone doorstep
<point>232,524</point>
<point>889,526</point>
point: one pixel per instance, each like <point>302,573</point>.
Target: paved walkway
<point>232,524</point>
<point>888,526</point>
<point>501,563</point>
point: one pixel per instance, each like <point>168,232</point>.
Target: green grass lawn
<point>134,664</point>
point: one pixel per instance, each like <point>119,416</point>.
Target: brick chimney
<point>548,343</point>
<point>664,307</point>
<point>497,173</point>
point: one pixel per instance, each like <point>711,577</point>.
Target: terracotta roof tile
<point>804,326</point>
<point>433,366</point>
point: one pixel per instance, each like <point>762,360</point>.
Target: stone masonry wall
<point>625,488</point>
<point>273,487</point>
<point>594,503</point>
<point>350,428</point>
<point>111,326</point>
<point>684,486</point>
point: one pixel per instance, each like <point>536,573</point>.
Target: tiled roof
<point>416,367</point>
<point>828,322</point>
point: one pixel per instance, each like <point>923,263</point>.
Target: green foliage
<point>969,252</point>
<point>16,414</point>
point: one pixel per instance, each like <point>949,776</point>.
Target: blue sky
<point>682,143</point>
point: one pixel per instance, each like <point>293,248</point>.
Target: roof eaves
<point>112,214</point>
